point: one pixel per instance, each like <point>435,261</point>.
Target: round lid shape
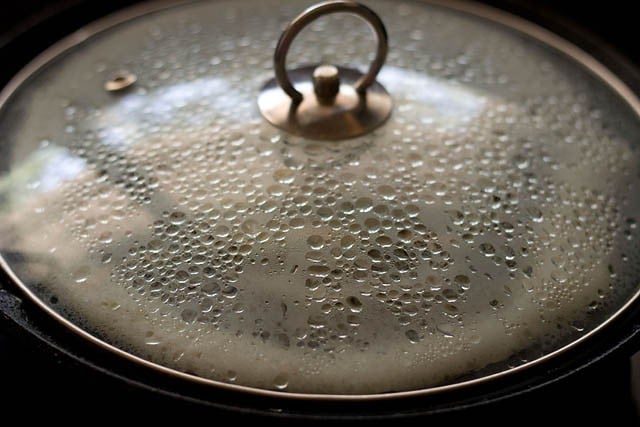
<point>487,222</point>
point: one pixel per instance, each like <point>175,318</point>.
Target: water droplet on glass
<point>413,336</point>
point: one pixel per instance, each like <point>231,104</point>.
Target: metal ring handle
<point>310,15</point>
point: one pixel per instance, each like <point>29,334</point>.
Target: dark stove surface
<point>28,374</point>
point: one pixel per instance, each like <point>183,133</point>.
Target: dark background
<point>29,374</point>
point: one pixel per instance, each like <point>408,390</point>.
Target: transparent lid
<point>487,224</point>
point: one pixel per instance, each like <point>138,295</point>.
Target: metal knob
<point>326,101</point>
<point>326,83</point>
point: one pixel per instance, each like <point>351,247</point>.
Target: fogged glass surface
<point>491,221</point>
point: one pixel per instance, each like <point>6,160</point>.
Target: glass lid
<point>482,219</point>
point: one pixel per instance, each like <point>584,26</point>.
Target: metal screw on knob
<point>326,83</point>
